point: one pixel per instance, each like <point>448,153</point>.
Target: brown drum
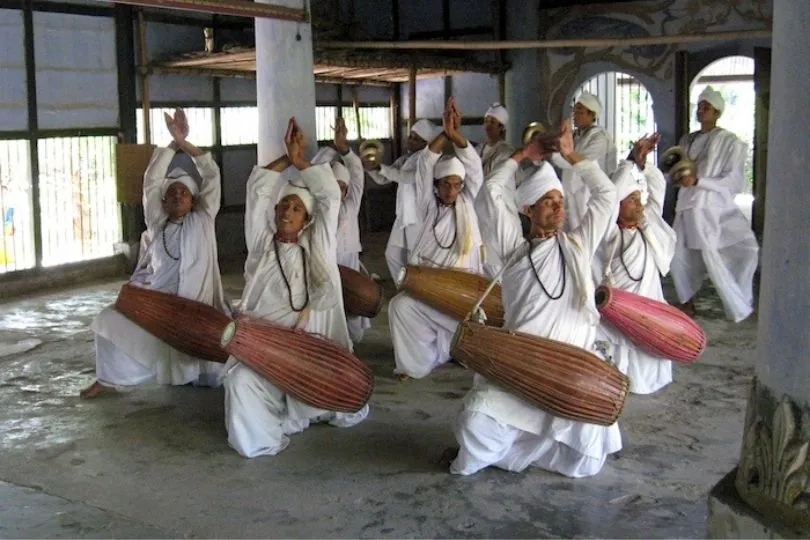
<point>453,292</point>
<point>559,378</point>
<point>312,368</point>
<point>187,325</point>
<point>361,295</point>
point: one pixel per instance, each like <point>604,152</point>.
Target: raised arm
<point>425,162</point>
<point>600,205</point>
<point>153,210</point>
<point>210,197</point>
<point>473,167</point>
<point>354,195</point>
<point>503,233</point>
<point>263,188</point>
<point>320,181</point>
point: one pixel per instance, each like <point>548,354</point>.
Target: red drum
<point>453,292</point>
<point>656,327</point>
<point>559,378</point>
<point>189,326</point>
<point>312,368</point>
<point>361,295</point>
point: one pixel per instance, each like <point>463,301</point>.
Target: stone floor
<point>154,462</point>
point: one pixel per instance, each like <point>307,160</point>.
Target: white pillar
<point>285,84</point>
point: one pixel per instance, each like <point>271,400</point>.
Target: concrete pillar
<point>523,100</point>
<point>285,84</point>
<point>772,475</point>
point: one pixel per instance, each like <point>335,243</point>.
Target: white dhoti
<point>730,262</point>
<point>647,373</point>
<point>402,239</point>
<point>357,325</point>
<point>486,442</point>
<point>259,416</point>
<point>421,335</point>
<point>127,355</point>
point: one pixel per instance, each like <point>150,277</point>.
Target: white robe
<point>259,416</point>
<point>127,355</point>
<point>421,335</point>
<point>713,235</point>
<point>493,156</point>
<point>594,144</point>
<point>348,232</point>
<point>497,427</point>
<point>406,226</point>
<point>647,373</point>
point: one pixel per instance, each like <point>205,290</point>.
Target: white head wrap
<point>425,129</point>
<point>340,171</point>
<point>499,113</point>
<point>713,98</point>
<point>179,175</point>
<point>591,102</point>
<point>449,166</point>
<point>626,184</point>
<point>294,187</point>
<point>536,186</point>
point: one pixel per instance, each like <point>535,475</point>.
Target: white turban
<point>294,187</point>
<point>536,186</point>
<point>591,102</point>
<point>340,171</point>
<point>713,98</point>
<point>425,129</point>
<point>179,175</point>
<point>499,113</point>
<point>449,166</point>
<point>626,184</point>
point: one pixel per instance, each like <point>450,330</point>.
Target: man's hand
<point>643,147</point>
<point>177,125</point>
<point>295,142</point>
<point>542,146</point>
<point>341,136</point>
<point>566,139</point>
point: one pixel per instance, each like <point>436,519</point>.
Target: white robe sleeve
<point>396,172</point>
<point>354,194</point>
<point>732,175</point>
<point>600,206</point>
<point>595,148</point>
<point>153,211</point>
<point>503,233</point>
<point>473,167</point>
<point>656,188</point>
<point>321,182</point>
<point>424,178</point>
<point>325,154</point>
<point>262,190</point>
<point>209,197</point>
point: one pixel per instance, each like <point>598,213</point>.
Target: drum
<point>653,326</point>
<point>559,378</point>
<point>453,292</point>
<point>361,295</point>
<point>312,368</point>
<point>189,326</point>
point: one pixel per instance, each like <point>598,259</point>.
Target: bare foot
<point>95,390</point>
<point>448,456</point>
<point>402,377</point>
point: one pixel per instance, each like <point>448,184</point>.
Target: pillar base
<point>731,517</point>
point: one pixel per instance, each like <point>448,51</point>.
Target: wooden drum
<point>361,295</point>
<point>312,368</point>
<point>189,326</point>
<point>559,378</point>
<point>453,292</point>
<point>653,326</point>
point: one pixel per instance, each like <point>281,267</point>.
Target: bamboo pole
<point>144,74</point>
<point>546,44</point>
<point>411,98</point>
<point>356,105</point>
<point>239,8</point>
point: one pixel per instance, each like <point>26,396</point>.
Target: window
<point>17,240</point>
<point>77,196</point>
<point>200,121</point>
<point>324,123</point>
<point>239,125</point>
<point>375,122</point>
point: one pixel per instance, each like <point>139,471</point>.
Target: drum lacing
<point>166,247</point>
<point>537,276</point>
<point>287,281</point>
<point>439,205</point>
<point>622,250</point>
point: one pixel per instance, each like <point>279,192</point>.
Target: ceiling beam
<point>239,8</point>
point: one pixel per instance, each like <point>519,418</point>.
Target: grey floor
<point>154,462</point>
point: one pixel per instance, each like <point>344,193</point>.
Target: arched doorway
<point>628,108</point>
<point>733,77</point>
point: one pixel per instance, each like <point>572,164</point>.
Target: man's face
<point>707,113</point>
<point>178,200</point>
<point>548,213</point>
<point>415,142</point>
<point>583,117</point>
<point>449,188</point>
<point>493,128</point>
<point>631,210</point>
<point>291,215</point>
